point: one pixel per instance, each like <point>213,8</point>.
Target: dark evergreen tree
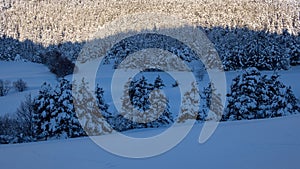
<point>55,114</point>
<point>101,102</point>
<point>64,121</point>
<point>43,107</point>
<point>143,105</point>
<point>158,114</point>
<point>158,83</point>
<point>140,96</point>
<point>212,101</point>
<point>25,115</point>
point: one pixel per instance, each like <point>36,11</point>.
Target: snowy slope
<point>32,73</point>
<point>259,144</point>
<point>35,74</point>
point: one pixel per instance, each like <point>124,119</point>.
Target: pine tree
<point>242,101</point>
<point>127,118</point>
<point>147,108</point>
<point>55,114</point>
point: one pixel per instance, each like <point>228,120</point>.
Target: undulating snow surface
<point>32,73</point>
<point>261,144</point>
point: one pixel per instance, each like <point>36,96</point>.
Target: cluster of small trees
<point>52,113</point>
<point>5,86</point>
<point>252,96</point>
<point>18,127</point>
<point>57,64</point>
<point>255,96</point>
<point>144,105</point>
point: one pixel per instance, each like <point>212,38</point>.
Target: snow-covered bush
<point>25,114</point>
<point>20,85</point>
<point>5,86</point>
<point>8,132</point>
<point>255,96</point>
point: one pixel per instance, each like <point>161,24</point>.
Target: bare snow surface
<point>259,144</point>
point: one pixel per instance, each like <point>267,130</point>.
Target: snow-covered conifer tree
<point>44,105</point>
<point>190,104</point>
<point>87,110</point>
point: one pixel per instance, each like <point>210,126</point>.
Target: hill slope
<point>262,144</point>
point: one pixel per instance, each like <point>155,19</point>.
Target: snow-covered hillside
<point>32,73</point>
<point>261,144</point>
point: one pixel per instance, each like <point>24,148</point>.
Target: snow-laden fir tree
<point>140,96</point>
<point>190,104</point>
<point>87,110</point>
<point>278,99</point>
<point>243,99</point>
<point>64,122</point>
<point>44,105</point>
<point>129,115</point>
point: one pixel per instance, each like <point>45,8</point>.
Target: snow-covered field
<point>32,73</point>
<point>260,144</point>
